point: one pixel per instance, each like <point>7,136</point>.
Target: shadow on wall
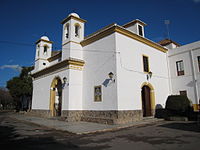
<point>106,82</point>
<point>190,84</point>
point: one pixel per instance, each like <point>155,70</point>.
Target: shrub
<point>178,105</point>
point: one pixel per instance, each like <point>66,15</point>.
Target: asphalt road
<point>17,135</point>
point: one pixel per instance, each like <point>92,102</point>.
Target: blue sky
<point>23,22</point>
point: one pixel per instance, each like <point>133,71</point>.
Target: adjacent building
<point>184,67</point>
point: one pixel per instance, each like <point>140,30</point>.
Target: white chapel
<point>114,76</point>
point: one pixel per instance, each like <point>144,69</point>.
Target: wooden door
<point>146,101</point>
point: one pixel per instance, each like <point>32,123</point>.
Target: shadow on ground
<point>153,140</point>
<point>186,126</point>
<point>10,140</point>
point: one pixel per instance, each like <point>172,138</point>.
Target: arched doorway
<point>148,100</point>
<point>56,97</point>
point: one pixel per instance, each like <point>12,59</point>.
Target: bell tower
<point>43,52</point>
<point>73,34</point>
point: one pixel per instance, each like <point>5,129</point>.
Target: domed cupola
<point>44,38</point>
<point>74,15</point>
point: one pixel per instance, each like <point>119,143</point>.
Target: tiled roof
<point>53,53</point>
<point>167,42</point>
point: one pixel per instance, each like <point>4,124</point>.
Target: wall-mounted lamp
<point>149,75</point>
<point>64,80</point>
<point>110,75</point>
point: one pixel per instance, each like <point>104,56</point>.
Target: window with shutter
<point>180,68</point>
<point>145,64</point>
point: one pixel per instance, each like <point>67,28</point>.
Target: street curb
<point>89,132</point>
<point>119,128</point>
<point>39,125</point>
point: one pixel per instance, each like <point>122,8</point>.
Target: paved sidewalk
<point>76,127</point>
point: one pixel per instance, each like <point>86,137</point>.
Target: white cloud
<point>10,61</point>
<point>14,67</point>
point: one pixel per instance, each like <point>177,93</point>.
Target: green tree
<point>6,100</point>
<point>21,86</point>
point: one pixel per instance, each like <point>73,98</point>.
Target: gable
<point>115,28</point>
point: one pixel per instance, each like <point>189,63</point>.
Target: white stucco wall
<point>127,66</point>
<point>134,28</point>
<point>171,46</point>
<point>73,50</point>
<point>130,75</point>
<point>99,59</point>
<point>75,90</point>
<point>41,91</point>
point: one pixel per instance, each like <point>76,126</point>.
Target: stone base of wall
<point>105,117</point>
<point>72,115</point>
<point>129,116</point>
<point>40,113</point>
<point>112,117</point>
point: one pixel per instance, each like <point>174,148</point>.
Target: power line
<point>140,72</point>
<point>17,43</point>
<point>83,50</point>
<point>105,62</point>
<point>89,50</point>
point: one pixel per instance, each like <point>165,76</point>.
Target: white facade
<point>85,63</point>
<point>190,80</point>
<point>131,76</point>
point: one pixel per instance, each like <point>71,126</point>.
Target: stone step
<point>98,120</point>
<point>151,119</point>
<point>148,118</point>
<point>58,118</point>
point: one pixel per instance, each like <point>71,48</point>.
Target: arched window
<point>45,49</point>
<point>67,31</point>
<point>38,50</point>
<point>77,30</point>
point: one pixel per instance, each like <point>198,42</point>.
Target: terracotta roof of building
<point>53,53</point>
<point>167,42</point>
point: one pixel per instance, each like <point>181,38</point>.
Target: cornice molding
<point>63,64</point>
<point>69,42</point>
